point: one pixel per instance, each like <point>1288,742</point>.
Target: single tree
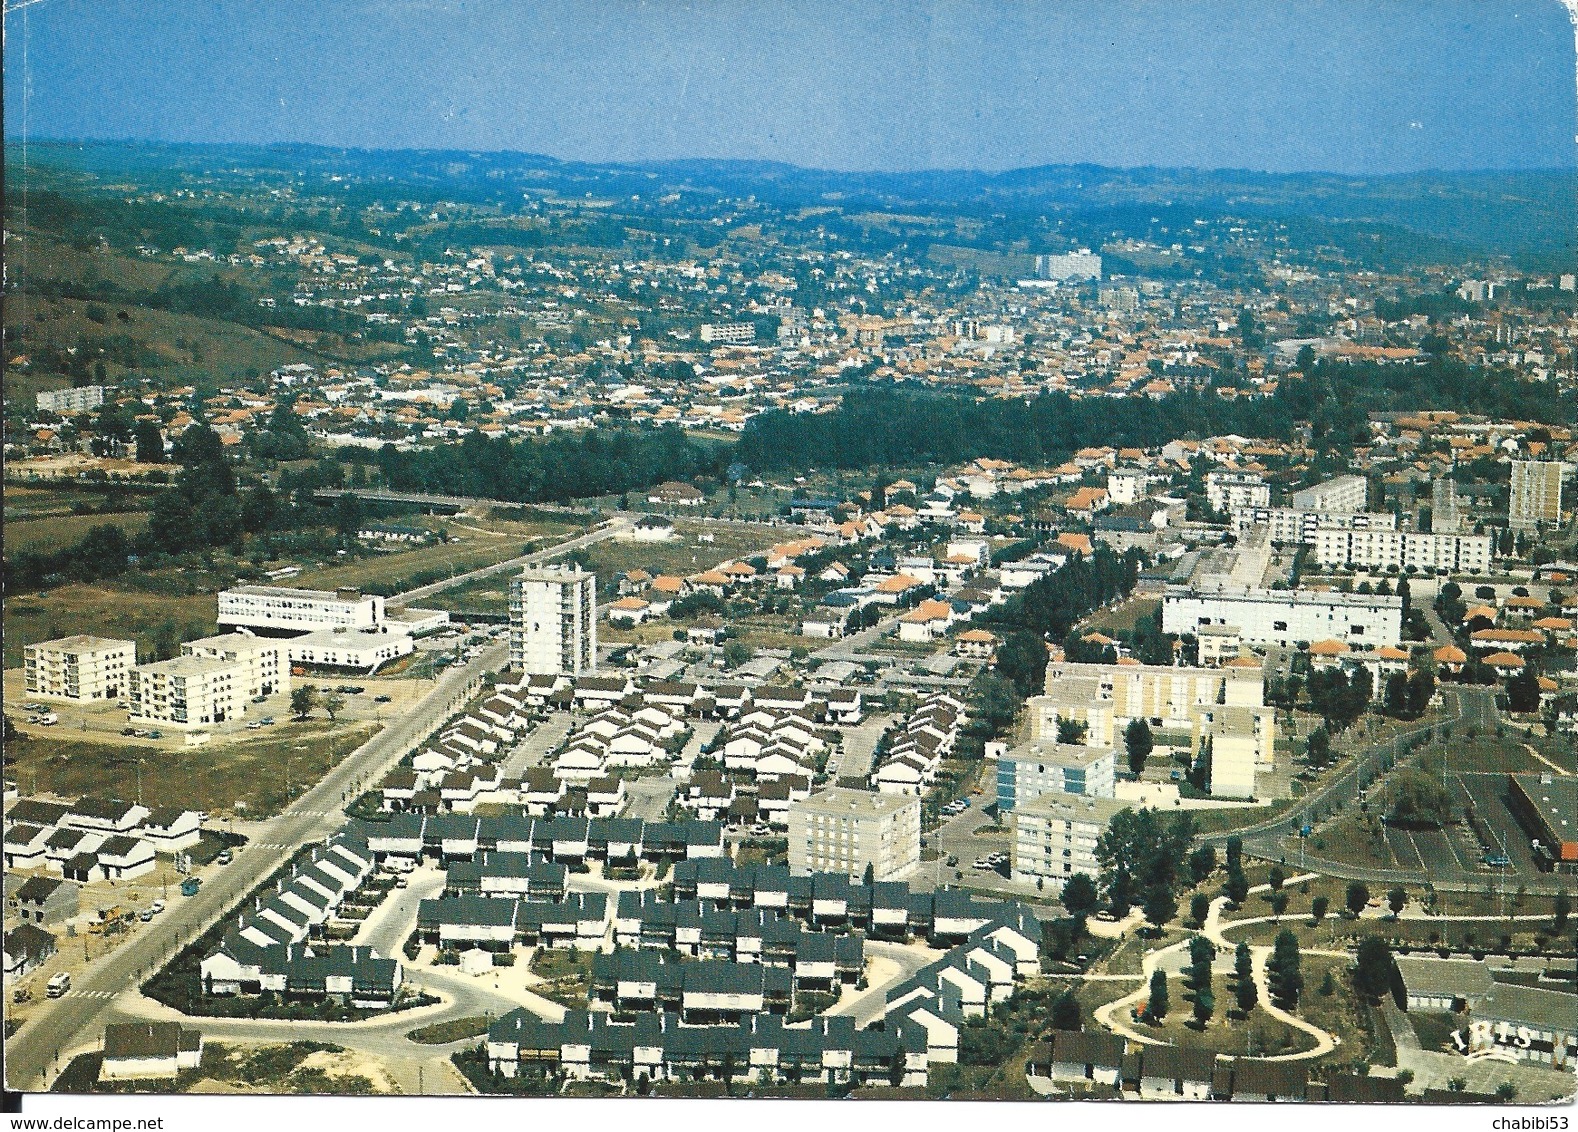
<point>1138,742</point>
<point>1237,887</point>
<point>1283,977</point>
<point>1160,906</point>
<point>1079,895</point>
<point>870,877</point>
<point>1397,900</point>
<point>1318,908</point>
<point>302,700</point>
<point>1561,908</point>
<point>1072,731</point>
<point>1374,968</point>
<point>1235,852</point>
<point>1357,897</point>
<point>1156,1005</point>
<point>1506,1092</point>
<point>1277,877</point>
<point>1244,979</point>
<point>332,703</point>
<point>1202,863</point>
<point>1279,904</point>
<point>1199,908</point>
<point>1204,1007</point>
<point>1066,1013</point>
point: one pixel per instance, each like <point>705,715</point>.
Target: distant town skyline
<point>1347,86</point>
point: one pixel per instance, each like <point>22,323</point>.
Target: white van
<point>58,985</point>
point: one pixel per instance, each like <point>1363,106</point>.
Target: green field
<point>213,778</point>
<point>45,536</point>
<point>103,610</point>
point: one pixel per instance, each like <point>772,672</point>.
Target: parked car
<point>224,857</point>
<point>58,985</point>
<point>267,721</point>
<point>1497,860</point>
<point>146,915</point>
<point>254,726</point>
<point>156,907</point>
<point>382,699</point>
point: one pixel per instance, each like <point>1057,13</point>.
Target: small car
<point>225,857</point>
<point>254,726</point>
<point>382,699</point>
<point>146,915</point>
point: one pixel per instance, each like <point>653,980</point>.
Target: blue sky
<point>1363,86</point>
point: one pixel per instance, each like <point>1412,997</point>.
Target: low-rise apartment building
<point>843,831</point>
<point>188,692</point>
<point>80,667</point>
<point>1041,767</point>
<point>282,609</point>
<point>1055,835</point>
<point>260,661</point>
<point>1286,617</point>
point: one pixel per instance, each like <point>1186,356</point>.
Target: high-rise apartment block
<point>842,831</point>
<point>1536,498</point>
<point>553,622</point>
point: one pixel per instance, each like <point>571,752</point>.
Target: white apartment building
<point>1286,617</point>
<point>365,651</point>
<point>264,668</point>
<point>82,667</point>
<point>842,831</point>
<point>1378,550</point>
<point>1228,490</point>
<point>78,400</point>
<point>1055,835</point>
<point>188,692</point>
<point>1345,493</point>
<point>728,333</point>
<point>553,622</point>
<point>1130,485</point>
<point>1536,496</point>
<point>1043,767</point>
<point>282,609</point>
<point>1289,525</point>
<point>1241,741</point>
<point>1083,264</point>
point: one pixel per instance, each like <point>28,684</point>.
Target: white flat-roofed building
<point>728,333</point>
<point>1380,550</point>
<point>1228,490</point>
<point>264,668</point>
<point>1289,525</point>
<point>78,400</point>
<point>842,831</point>
<point>1286,617</point>
<point>1055,835</point>
<point>283,609</point>
<point>1067,266</point>
<point>1345,493</point>
<point>362,651</point>
<point>553,622</point>
<point>1041,767</point>
<point>82,667</point>
<point>188,692</point>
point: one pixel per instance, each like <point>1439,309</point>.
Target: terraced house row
<point>278,943</point>
<point>661,1047</point>
<point>448,838</point>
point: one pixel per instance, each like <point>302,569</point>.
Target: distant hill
<point>1527,215</point>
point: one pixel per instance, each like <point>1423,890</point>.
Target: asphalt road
<point>536,558</point>
<point>63,1023</point>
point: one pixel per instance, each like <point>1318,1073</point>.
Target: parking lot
<point>1504,835</point>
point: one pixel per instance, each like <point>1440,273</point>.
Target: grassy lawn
<point>1362,1029</point>
<point>568,974</point>
<point>1257,1035</point>
<point>1434,1031</point>
<point>212,778</point>
<point>684,554</point>
<point>108,610</point>
<point>469,551</point>
<point>60,531</point>
<point>456,1029</point>
<point>1124,617</point>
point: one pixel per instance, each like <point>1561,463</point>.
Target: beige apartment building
<point>188,692</point>
<point>79,668</point>
<point>842,831</point>
<point>1055,835</point>
<point>1535,500</point>
<point>1227,704</point>
<point>264,669</point>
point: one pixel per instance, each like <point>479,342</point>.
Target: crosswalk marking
<point>90,994</point>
